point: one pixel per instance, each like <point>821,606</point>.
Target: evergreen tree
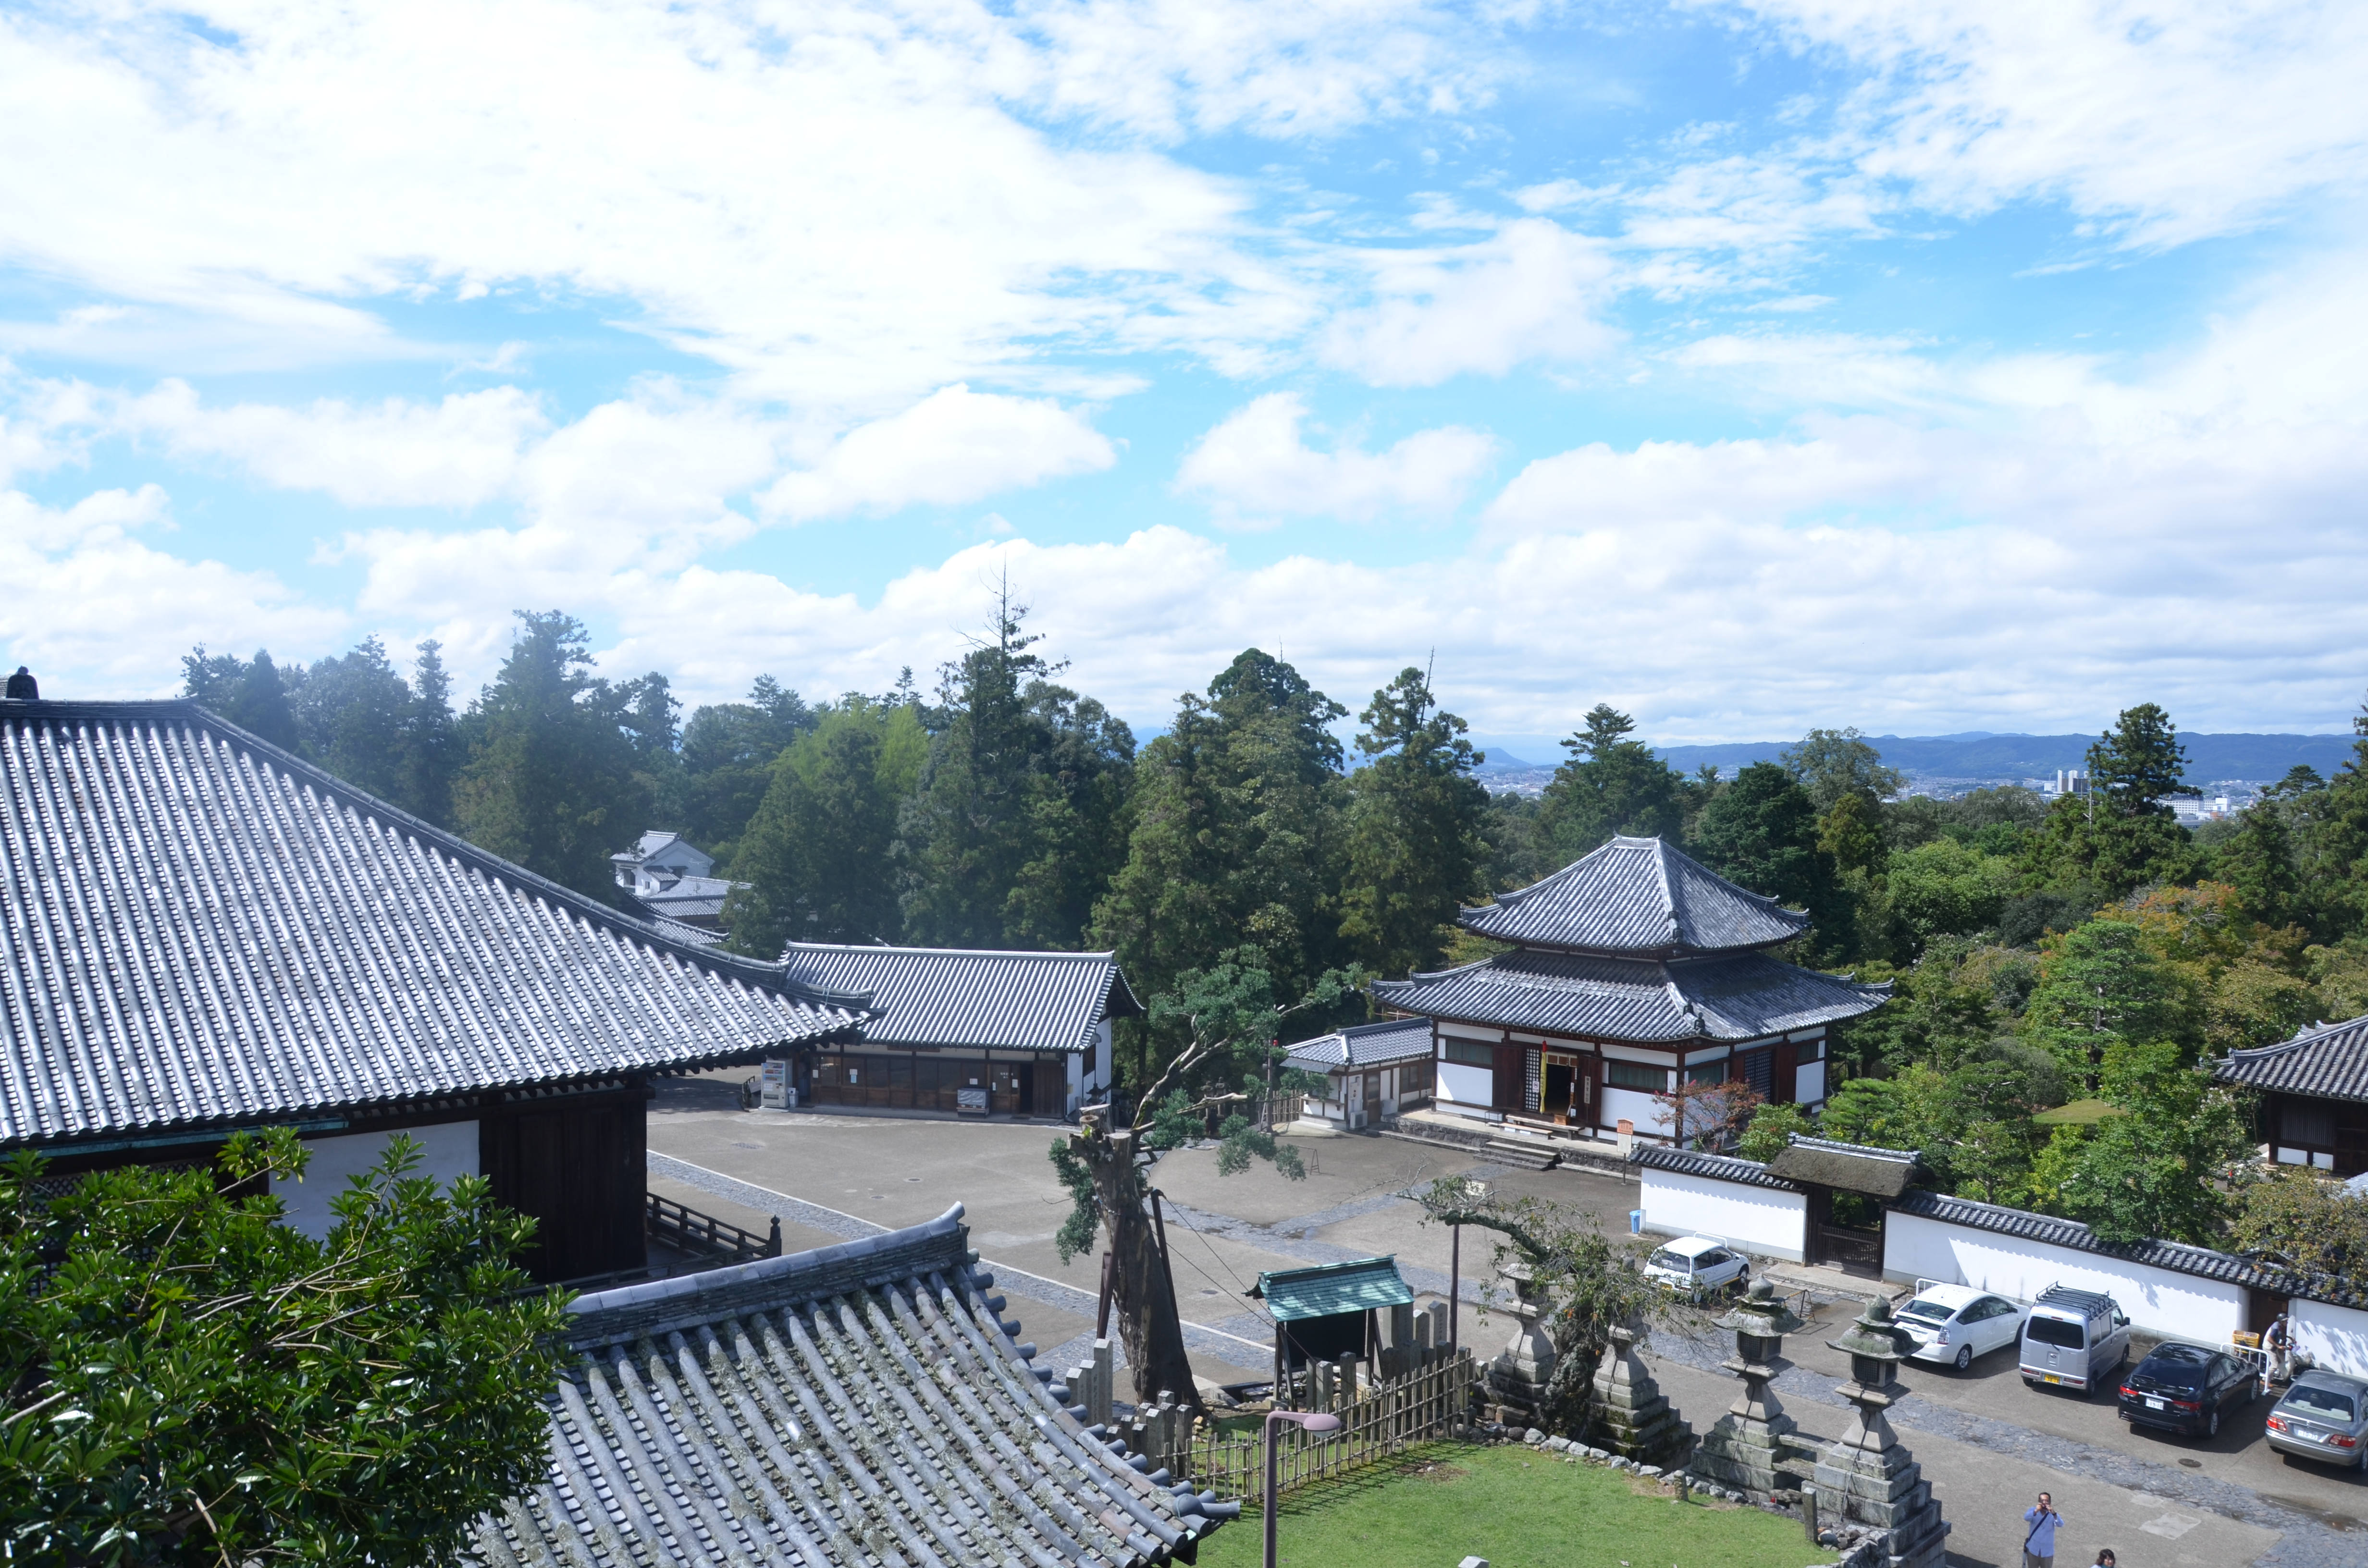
<point>1832,764</point>
<point>431,739</point>
<point>2120,836</point>
<point>252,695</point>
<point>352,713</point>
<point>2100,988</point>
<point>651,719</point>
<point>1611,785</point>
<point>552,780</point>
<point>1416,815</point>
<point>2257,861</point>
<point>818,854</point>
<point>728,751</point>
<point>1762,831</point>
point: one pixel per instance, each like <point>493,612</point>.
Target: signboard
<point>775,1092</point>
<point>970,1102</point>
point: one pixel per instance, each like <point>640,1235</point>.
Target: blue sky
<point>1751,366</point>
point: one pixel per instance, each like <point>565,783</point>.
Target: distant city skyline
<point>1751,368</point>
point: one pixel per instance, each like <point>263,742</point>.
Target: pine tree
<point>350,713</point>
<point>431,739</point>
<point>1415,846</point>
<point>1611,785</point>
<point>1762,831</point>
<point>818,854</point>
<point>728,752</point>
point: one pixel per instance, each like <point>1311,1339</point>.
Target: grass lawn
<point>1516,1508</point>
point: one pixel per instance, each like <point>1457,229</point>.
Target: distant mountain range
<point>1979,755</point>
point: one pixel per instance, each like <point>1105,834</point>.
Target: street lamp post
<point>1311,1420</point>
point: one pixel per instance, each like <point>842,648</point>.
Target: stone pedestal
<point>1752,1449</point>
<point>1632,1415</point>
<point>1517,1378</point>
<point>1868,1476</point>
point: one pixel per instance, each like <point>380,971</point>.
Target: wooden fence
<point>1389,1418</point>
<point>705,1236</point>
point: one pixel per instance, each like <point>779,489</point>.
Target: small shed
<point>1370,1072</point>
<point>1845,1238</point>
<point>1324,1313</point>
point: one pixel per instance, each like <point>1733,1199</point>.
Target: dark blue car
<point>2187,1388</point>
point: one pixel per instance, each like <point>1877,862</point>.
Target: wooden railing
<point>1421,1407</point>
<point>703,1235</point>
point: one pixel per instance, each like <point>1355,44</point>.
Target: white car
<point>1954,1324</point>
<point>1698,1267</point>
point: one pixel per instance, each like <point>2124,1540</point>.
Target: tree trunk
<point>1148,1323</point>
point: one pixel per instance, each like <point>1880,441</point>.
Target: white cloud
<point>86,605</point>
<point>1257,462</point>
<point>952,447</point>
<point>2167,125</point>
<point>1528,292</point>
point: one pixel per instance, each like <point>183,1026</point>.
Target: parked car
<point>1699,1267</point>
<point>2073,1338</point>
<point>2323,1416</point>
<point>1954,1324</point>
<point>2187,1388</point>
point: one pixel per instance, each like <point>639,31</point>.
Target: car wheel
<point>2211,1425</point>
<point>1965,1357</point>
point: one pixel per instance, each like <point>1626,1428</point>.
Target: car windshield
<point>1931,1312</point>
<point>2315,1401</point>
<point>2178,1358</point>
<point>1677,1262</point>
<point>2055,1331</point>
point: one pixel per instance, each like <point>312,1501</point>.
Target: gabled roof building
<point>1633,968</point>
<point>863,1405</point>
<point>1371,1070</point>
<point>976,1031</point>
<point>669,880</point>
<point>205,934</point>
<point>2313,1095</point>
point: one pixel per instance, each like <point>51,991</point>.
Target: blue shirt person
<point>2039,1544</point>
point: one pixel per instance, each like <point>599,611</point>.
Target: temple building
<point>1632,969</point>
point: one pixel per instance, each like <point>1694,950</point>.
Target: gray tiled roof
<point>201,929</point>
<point>951,996</point>
<point>860,1404</point>
<point>1721,1167</point>
<point>1852,1168</point>
<point>1366,1045</point>
<point>2329,1062</point>
<point>1637,896</point>
<point>2176,1256</point>
<point>1746,996</point>
<point>688,898</point>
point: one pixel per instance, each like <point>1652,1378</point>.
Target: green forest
<point>2065,970</point>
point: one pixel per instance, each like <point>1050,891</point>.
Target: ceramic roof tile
<point>1636,896</point>
<point>1292,1294</point>
<point>1746,996</point>
<point>202,929</point>
<point>1017,1001</point>
<point>2329,1062</point>
<point>1366,1045</point>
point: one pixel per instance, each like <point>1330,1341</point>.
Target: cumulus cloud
<point>1258,463</point>
<point>952,447</point>
<point>1530,291</point>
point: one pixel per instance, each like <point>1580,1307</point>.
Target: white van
<point>2074,1339</point>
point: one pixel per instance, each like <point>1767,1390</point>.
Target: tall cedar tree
<point>818,854</point>
<point>431,739</point>
<point>1237,836</point>
<point>1416,848</point>
<point>552,781</point>
<point>1762,831</point>
<point>728,752</point>
<point>251,695</point>
<point>1018,820</point>
<point>352,714</point>
<point>1611,785</point>
<point>2121,837</point>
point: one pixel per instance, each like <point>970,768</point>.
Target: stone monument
<point>1752,1448</point>
<point>1517,1378</point>
<point>1867,1476</point>
<point>1633,1417</point>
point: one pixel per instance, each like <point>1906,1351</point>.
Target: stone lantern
<point>1633,1417</point>
<point>1518,1376</point>
<point>1867,1477</point>
<point>1751,1449</point>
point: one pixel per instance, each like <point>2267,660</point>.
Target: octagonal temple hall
<point>1632,968</point>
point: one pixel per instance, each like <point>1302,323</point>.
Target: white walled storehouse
<point>669,880</point>
<point>205,934</point>
<point>986,1032</point>
<point>1632,968</point>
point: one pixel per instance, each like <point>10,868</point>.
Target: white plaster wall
<point>2331,1336</point>
<point>447,1149</point>
<point>1758,1218</point>
<point>1466,1086</point>
<point>1809,1083</point>
<point>1638,1107</point>
<point>2160,1301</point>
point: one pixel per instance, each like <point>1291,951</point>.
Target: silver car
<point>2323,1416</point>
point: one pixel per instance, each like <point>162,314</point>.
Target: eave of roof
<point>997,1000</point>
<point>1327,1289</point>
<point>1733,998</point>
<point>1637,897</point>
<point>1847,1167</point>
<point>2328,1062</point>
<point>1720,1167</point>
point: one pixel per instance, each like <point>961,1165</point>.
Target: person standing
<point>2039,1545</point>
<point>2277,1340</point>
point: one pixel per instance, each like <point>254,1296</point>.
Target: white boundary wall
<point>447,1149</point>
<point>1756,1219</point>
<point>2158,1300</point>
<point>2331,1336</point>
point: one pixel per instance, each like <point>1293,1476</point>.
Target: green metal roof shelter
<point>1324,1313</point>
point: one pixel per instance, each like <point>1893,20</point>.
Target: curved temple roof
<point>1745,996</point>
<point>2328,1062</point>
<point>202,929</point>
<point>1015,1001</point>
<point>859,1404</point>
<point>1636,896</point>
<point>1364,1045</point>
